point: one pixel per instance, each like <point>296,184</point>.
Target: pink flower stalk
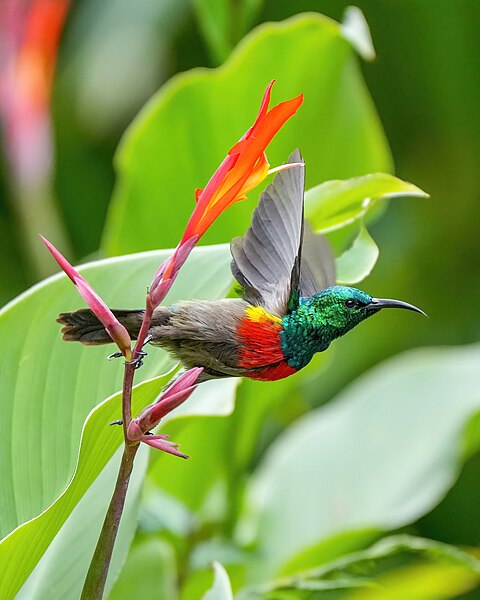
<point>139,428</point>
<point>114,328</point>
<point>244,168</point>
<point>162,282</point>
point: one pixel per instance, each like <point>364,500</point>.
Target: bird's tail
<point>83,326</point>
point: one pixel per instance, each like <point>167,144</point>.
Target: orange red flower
<point>244,167</point>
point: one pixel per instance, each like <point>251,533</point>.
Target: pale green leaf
<point>148,573</point>
<point>421,582</point>
<point>221,588</point>
<point>355,29</point>
<point>327,550</point>
<point>334,204</point>
<point>61,571</point>
<point>357,262</point>
<point>304,490</point>
<point>22,549</point>
<point>26,544</point>
<point>50,386</point>
<point>185,131</point>
<point>205,444</point>
<point>396,568</point>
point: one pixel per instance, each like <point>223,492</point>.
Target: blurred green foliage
<point>390,429</point>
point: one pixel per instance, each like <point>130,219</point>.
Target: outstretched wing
<point>266,259</point>
<point>280,254</point>
<point>317,269</point>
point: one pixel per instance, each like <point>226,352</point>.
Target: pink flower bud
<point>168,271</point>
<point>151,415</point>
<point>114,328</point>
<point>134,433</point>
<point>179,391</point>
<point>159,442</point>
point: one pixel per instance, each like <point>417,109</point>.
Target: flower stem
<point>96,578</point>
<point>97,574</point>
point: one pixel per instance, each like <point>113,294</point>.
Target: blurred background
<point>65,109</point>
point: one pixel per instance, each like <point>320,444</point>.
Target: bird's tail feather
<point>83,326</point>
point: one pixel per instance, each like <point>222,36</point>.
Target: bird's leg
<point>117,422</point>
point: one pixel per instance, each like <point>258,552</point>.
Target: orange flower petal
<point>244,167</point>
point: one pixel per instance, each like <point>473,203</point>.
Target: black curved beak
<point>377,304</point>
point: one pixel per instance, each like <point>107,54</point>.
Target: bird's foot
<point>137,362</point>
<point>117,422</point>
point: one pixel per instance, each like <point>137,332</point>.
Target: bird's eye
<point>351,303</point>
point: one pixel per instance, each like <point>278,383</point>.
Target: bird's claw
<point>140,355</point>
<point>137,362</point>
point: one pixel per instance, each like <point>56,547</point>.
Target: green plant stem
<point>97,573</point>
<point>96,578</point>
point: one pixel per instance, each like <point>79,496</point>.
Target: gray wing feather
<point>265,259</point>
<point>317,270</point>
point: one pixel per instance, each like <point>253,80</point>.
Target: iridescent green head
<point>331,313</point>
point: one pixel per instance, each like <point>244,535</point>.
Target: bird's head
<point>341,308</point>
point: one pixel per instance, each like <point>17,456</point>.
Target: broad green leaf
<point>334,204</point>
<point>22,549</point>
<point>185,131</point>
<point>330,549</point>
<point>357,262</point>
<point>49,387</point>
<point>222,449</point>
<point>331,472</point>
<point>61,571</point>
<point>421,582</point>
<point>24,546</point>
<point>205,443</point>
<point>396,568</point>
<point>221,588</point>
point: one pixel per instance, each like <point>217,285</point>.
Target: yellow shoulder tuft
<point>258,314</point>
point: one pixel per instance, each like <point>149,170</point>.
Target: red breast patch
<point>259,334</point>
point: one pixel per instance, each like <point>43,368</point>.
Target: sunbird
<point>290,307</point>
